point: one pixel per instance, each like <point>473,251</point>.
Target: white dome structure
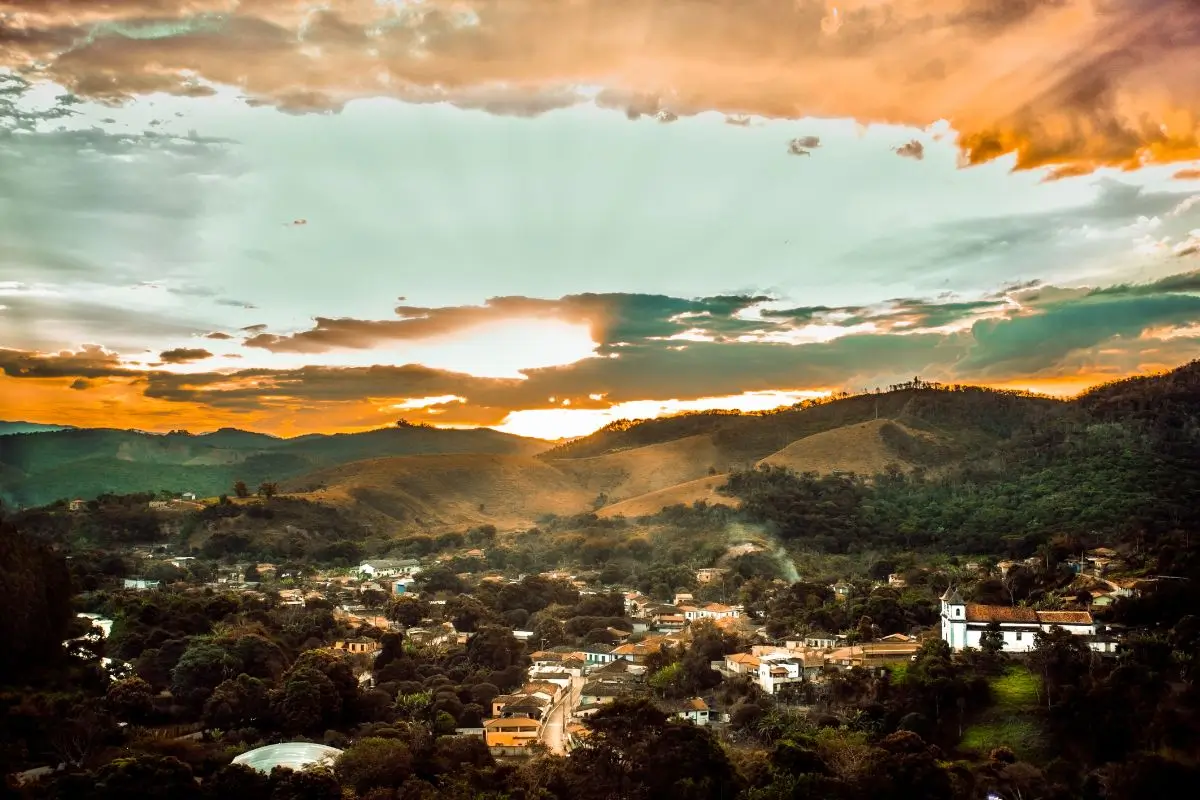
<point>292,755</point>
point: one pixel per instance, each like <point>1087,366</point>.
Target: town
<point>567,681</point>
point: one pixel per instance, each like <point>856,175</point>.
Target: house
<point>841,590</point>
<point>510,732</point>
<point>683,599</point>
<point>775,671</point>
<point>519,705</point>
<point>963,624</point>
<point>391,568</point>
<point>896,580</point>
<point>77,505</point>
<point>188,496</point>
<point>598,654</point>
<point>710,574</point>
<point>140,584</point>
<point>637,652</point>
<point>694,709</point>
<point>597,693</point>
<point>741,663</point>
<point>717,611</point>
<point>291,598</point>
<point>636,604</point>
<point>670,622</point>
<point>355,646</point>
<point>820,640</point>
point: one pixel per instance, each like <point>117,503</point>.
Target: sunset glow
<point>631,211</point>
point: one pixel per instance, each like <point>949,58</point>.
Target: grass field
<point>1014,720</point>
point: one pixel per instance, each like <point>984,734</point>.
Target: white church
<point>963,624</point>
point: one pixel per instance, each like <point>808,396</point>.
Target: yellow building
<point>510,732</point>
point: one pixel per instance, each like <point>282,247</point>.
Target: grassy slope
<point>865,448</point>
<point>1014,720</point>
<point>437,491</point>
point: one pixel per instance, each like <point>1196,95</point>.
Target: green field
<point>1014,720</point>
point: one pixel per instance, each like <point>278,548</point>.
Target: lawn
<point>1014,720</point>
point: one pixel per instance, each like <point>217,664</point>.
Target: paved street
<point>554,732</point>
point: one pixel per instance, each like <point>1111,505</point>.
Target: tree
<point>236,782</point>
<point>374,762</point>
<point>407,610</point>
<point>268,490</point>
<point>467,613</point>
<point>634,752</point>
<point>35,588</point>
<point>203,666</point>
<point>240,489</point>
<point>991,641</point>
<point>153,777</point>
<point>306,702</point>
<point>131,699</point>
<point>241,702</point>
<point>251,575</point>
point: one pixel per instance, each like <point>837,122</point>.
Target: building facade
<point>963,624</point>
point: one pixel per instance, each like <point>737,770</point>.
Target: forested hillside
<point>39,468</point>
<point>1123,459</point>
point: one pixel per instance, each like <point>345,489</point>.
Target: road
<point>554,732</point>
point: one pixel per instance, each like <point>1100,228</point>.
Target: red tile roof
<point>1065,617</point>
<point>978,613</point>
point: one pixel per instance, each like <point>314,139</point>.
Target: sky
<point>545,215</point>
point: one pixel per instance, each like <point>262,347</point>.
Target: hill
<point>439,491</point>
<point>970,414</point>
<point>702,490</point>
<point>866,448</point>
<point>1120,463</point>
<point>40,467</point>
<point>7,428</point>
<point>611,474</point>
<point>975,462</point>
<point>629,473</point>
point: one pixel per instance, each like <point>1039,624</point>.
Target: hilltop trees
<point>35,588</point>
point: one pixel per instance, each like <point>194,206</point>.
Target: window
<point>1019,634</point>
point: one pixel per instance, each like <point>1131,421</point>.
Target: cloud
<point>1187,175</point>
<point>1028,334</point>
<point>1188,247</point>
<point>613,318</point>
<point>183,355</point>
<point>217,335</point>
<point>1032,342</point>
<point>54,318</point>
<point>91,361</point>
<point>1056,83</point>
<point>913,149</point>
<point>803,145</point>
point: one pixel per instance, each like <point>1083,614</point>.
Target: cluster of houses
<point>567,685</point>
<point>677,615</point>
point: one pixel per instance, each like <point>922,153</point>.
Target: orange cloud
<point>1077,83</point>
<point>1187,175</point>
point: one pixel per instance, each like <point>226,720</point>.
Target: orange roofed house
<point>963,624</point>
